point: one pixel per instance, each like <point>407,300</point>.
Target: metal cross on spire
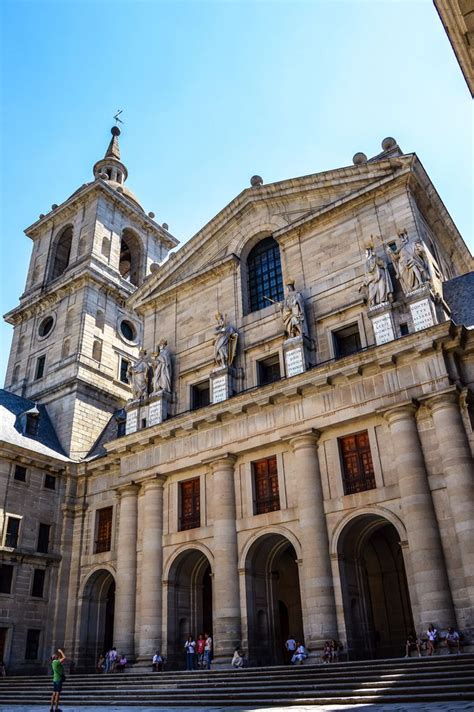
<point>116,117</point>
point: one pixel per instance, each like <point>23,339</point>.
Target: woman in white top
<point>190,647</point>
<point>432,635</point>
<point>300,654</point>
<point>238,659</point>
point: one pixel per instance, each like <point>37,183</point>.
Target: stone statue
<point>225,344</point>
<point>377,279</point>
<point>292,312</point>
<point>161,364</point>
<point>137,374</point>
<point>410,262</point>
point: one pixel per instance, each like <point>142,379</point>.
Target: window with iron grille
<point>12,532</point>
<point>37,588</point>
<point>267,495</point>
<point>43,538</point>
<point>20,473</point>
<point>264,274</point>
<point>32,644</point>
<point>6,577</point>
<point>357,467</point>
<point>190,504</point>
<point>50,482</point>
<point>104,530</point>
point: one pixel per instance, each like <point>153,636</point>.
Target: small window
<point>357,467</point>
<point>37,588</point>
<point>39,371</point>
<point>100,319</point>
<point>124,364</point>
<point>269,370</point>
<point>143,423</point>
<point>19,473</point>
<point>32,644</point>
<point>200,395</point>
<point>267,495</point>
<point>392,246</point>
<point>265,281</point>
<point>46,327</point>
<point>31,424</point>
<point>12,532</point>
<point>190,504</point>
<point>121,420</point>
<point>62,253</point>
<point>16,373</point>
<point>6,578</point>
<point>50,482</point>
<point>346,341</point>
<point>65,348</point>
<point>97,350</point>
<point>104,530</point>
<point>403,329</point>
<point>128,330</point>
<point>43,538</point>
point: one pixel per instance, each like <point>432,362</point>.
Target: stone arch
<point>272,595</point>
<point>131,256</point>
<point>61,253</point>
<point>96,616</point>
<point>377,510</point>
<point>275,529</point>
<point>183,548</point>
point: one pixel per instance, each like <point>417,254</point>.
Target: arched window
<point>97,350</point>
<point>129,265</point>
<point>16,373</point>
<point>264,274</point>
<point>69,319</point>
<point>62,253</point>
<point>65,348</point>
<point>99,319</point>
<point>21,344</point>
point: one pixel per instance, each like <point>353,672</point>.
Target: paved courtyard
<point>397,707</point>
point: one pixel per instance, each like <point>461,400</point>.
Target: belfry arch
<point>376,601</point>
<point>130,261</point>
<point>273,598</point>
<point>97,605</point>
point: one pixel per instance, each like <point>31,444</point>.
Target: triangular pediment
<point>274,208</point>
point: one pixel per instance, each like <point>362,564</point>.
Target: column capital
<point>445,399</point>
<point>153,482</point>
<point>401,411</point>
<point>224,462</point>
<point>306,439</point>
<point>131,489</point>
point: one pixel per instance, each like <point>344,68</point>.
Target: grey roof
<point>110,432</point>
<point>459,295</point>
<point>44,442</point>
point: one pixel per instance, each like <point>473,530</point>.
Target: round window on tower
<point>128,331</point>
<point>46,326</point>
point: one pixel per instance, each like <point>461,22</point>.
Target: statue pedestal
<point>131,423</point>
<point>158,406</point>
<point>422,308</point>
<point>382,323</point>
<point>296,350</point>
<point>220,382</point>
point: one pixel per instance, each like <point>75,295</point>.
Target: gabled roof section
<point>13,410</point>
<point>328,189</point>
<point>108,434</point>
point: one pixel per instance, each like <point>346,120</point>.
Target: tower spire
<point>113,151</point>
<point>110,167</point>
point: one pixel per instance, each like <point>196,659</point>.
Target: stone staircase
<point>437,679</point>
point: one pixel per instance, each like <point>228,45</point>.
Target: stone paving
<point>395,707</point>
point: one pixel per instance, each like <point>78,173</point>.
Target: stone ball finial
<point>154,267</point>
<point>115,131</point>
<point>388,143</point>
<point>54,206</point>
<point>359,158</point>
<point>165,226</point>
<point>151,215</point>
<point>41,216</point>
<point>119,189</point>
<point>103,175</point>
<point>256,181</point>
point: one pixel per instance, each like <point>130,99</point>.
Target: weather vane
<point>116,117</point>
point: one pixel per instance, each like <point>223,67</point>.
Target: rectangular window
<point>403,329</point>
<point>37,587</point>
<point>190,504</point>
<point>43,538</point>
<point>39,371</point>
<point>124,364</point>
<point>267,495</point>
<point>20,473</point>
<point>346,341</point>
<point>6,577</point>
<point>32,644</point>
<point>200,395</point>
<point>104,530</point>
<point>357,467</point>
<point>121,428</point>
<point>50,482</point>
<point>31,424</point>
<point>12,532</point>
<point>269,370</point>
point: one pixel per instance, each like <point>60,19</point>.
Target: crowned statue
<point>161,365</point>
<point>377,279</point>
<point>137,374</point>
<point>225,343</point>
<point>410,262</point>
<point>292,312</point>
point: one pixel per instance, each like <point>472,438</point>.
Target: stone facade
<point>338,531</point>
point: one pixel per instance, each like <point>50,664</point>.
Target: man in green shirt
<point>58,677</point>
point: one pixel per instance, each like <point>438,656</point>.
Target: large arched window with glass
<point>130,257</point>
<point>62,253</point>
<point>264,274</point>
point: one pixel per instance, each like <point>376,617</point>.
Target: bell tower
<point>73,333</point>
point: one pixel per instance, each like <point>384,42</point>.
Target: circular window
<point>128,330</point>
<point>46,326</point>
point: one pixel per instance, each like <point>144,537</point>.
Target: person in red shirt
<point>200,645</point>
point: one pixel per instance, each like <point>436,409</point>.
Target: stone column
<point>126,583</point>
<point>426,554</point>
<point>317,592</point>
<point>151,588</point>
<point>458,470</point>
<point>226,608</point>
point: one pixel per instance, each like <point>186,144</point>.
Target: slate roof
<point>108,433</point>
<point>45,442</point>
<point>459,295</point>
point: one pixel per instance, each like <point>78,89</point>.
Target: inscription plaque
<point>131,422</point>
<point>294,362</point>
<point>421,314</point>
<point>220,389</point>
<point>383,329</point>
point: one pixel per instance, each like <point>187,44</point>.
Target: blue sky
<point>214,92</point>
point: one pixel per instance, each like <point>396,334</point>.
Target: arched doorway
<point>375,593</point>
<point>97,618</point>
<point>273,599</point>
<point>189,601</point>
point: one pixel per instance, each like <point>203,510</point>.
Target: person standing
<point>58,678</point>
<point>190,647</point>
<point>207,651</point>
<point>432,635</point>
<point>290,646</point>
<point>200,650</point>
